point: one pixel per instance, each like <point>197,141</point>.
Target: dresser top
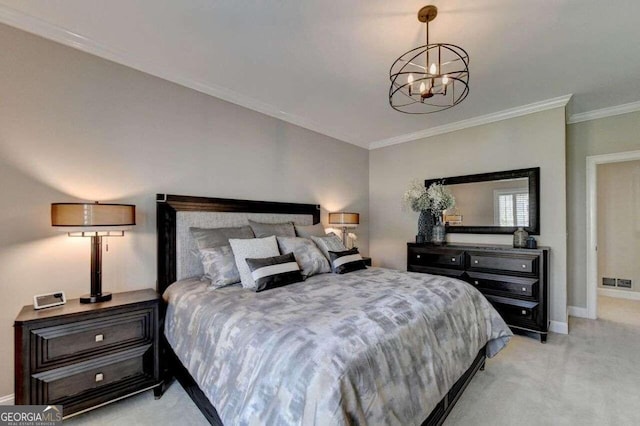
<point>74,307</point>
<point>469,246</point>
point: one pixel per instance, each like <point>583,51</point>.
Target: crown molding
<point>604,112</point>
<point>37,26</point>
<point>476,121</point>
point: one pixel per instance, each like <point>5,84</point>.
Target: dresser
<point>515,281</point>
<point>82,356</point>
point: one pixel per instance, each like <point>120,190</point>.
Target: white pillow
<point>254,248</point>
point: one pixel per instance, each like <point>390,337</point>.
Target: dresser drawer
<point>526,264</point>
<point>100,375</point>
<point>436,258</point>
<point>67,342</point>
<point>446,272</point>
<point>504,284</point>
<point>519,313</point>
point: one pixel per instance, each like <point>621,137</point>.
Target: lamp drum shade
<point>344,218</point>
<point>93,215</point>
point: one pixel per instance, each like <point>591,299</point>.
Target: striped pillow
<point>346,261</point>
<point>272,272</point>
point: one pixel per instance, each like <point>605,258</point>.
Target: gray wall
<point>76,127</point>
<point>536,140</point>
<point>596,137</point>
<point>619,222</point>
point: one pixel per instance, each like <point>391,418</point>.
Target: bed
<point>375,346</point>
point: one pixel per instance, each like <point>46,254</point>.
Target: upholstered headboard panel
<point>177,213</point>
<point>187,262</point>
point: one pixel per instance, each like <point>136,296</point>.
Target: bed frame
<point>166,208</point>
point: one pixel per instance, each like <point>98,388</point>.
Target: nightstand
<point>82,356</point>
<point>367,260</point>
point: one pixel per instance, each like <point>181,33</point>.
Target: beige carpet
<point>590,377</point>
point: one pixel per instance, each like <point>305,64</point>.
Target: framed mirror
<point>494,203</point>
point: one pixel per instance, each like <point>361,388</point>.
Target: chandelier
<point>429,78</point>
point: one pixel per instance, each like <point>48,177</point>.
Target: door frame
<point>592,222</point>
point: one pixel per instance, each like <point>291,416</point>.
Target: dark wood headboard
<point>167,206</point>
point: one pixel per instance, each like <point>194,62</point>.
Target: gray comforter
<point>370,347</point>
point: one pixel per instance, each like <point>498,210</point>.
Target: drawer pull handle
<point>524,289</point>
<point>476,282</point>
<point>417,256</point>
<point>475,261</point>
<point>524,312</point>
<point>99,337</point>
<point>453,259</point>
<point>99,377</point>
<point>524,266</point>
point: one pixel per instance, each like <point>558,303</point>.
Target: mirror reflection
<point>492,203</point>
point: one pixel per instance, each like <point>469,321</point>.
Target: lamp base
<point>95,298</point>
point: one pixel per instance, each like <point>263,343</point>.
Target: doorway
<point>613,235</point>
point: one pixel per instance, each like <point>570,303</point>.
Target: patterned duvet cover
<point>377,346</point>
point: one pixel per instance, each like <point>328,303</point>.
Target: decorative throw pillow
<point>330,242</point>
<point>306,231</point>
<point>273,272</point>
<point>216,237</point>
<point>262,230</point>
<point>346,261</point>
<point>219,266</point>
<point>254,248</point>
<point>310,259</point>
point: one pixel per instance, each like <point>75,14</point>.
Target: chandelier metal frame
<point>430,78</point>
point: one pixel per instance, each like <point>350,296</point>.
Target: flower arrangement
<point>415,197</point>
<point>436,198</point>
<point>441,198</point>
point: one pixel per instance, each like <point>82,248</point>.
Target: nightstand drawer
<point>521,263</point>
<point>504,284</point>
<point>66,342</point>
<point>83,379</point>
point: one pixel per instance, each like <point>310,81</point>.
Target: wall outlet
<point>610,282</point>
<point>624,283</point>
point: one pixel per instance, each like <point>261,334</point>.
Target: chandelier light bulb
<point>445,80</point>
<point>432,69</point>
<point>423,88</point>
<point>410,79</point>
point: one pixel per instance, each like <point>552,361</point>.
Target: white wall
<point>596,137</point>
<point>536,140</point>
<point>619,222</point>
<point>75,127</point>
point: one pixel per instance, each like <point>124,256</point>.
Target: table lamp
<point>344,220</point>
<point>94,220</point>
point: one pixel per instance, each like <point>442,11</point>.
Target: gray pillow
<point>306,231</point>
<point>262,230</point>
<point>254,248</point>
<point>217,237</point>
<point>219,266</point>
<point>330,242</point>
<point>310,259</point>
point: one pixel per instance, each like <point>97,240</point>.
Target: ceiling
<point>324,65</point>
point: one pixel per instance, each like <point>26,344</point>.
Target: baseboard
<point>6,400</point>
<point>620,294</point>
<point>559,327</point>
<point>578,311</point>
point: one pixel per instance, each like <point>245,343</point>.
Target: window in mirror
<point>511,207</point>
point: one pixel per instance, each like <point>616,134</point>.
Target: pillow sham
<point>306,231</point>
<point>254,248</point>
<point>273,272</point>
<point>262,230</point>
<point>346,261</point>
<point>216,237</point>
<point>330,242</point>
<point>309,257</point>
<point>219,266</point>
